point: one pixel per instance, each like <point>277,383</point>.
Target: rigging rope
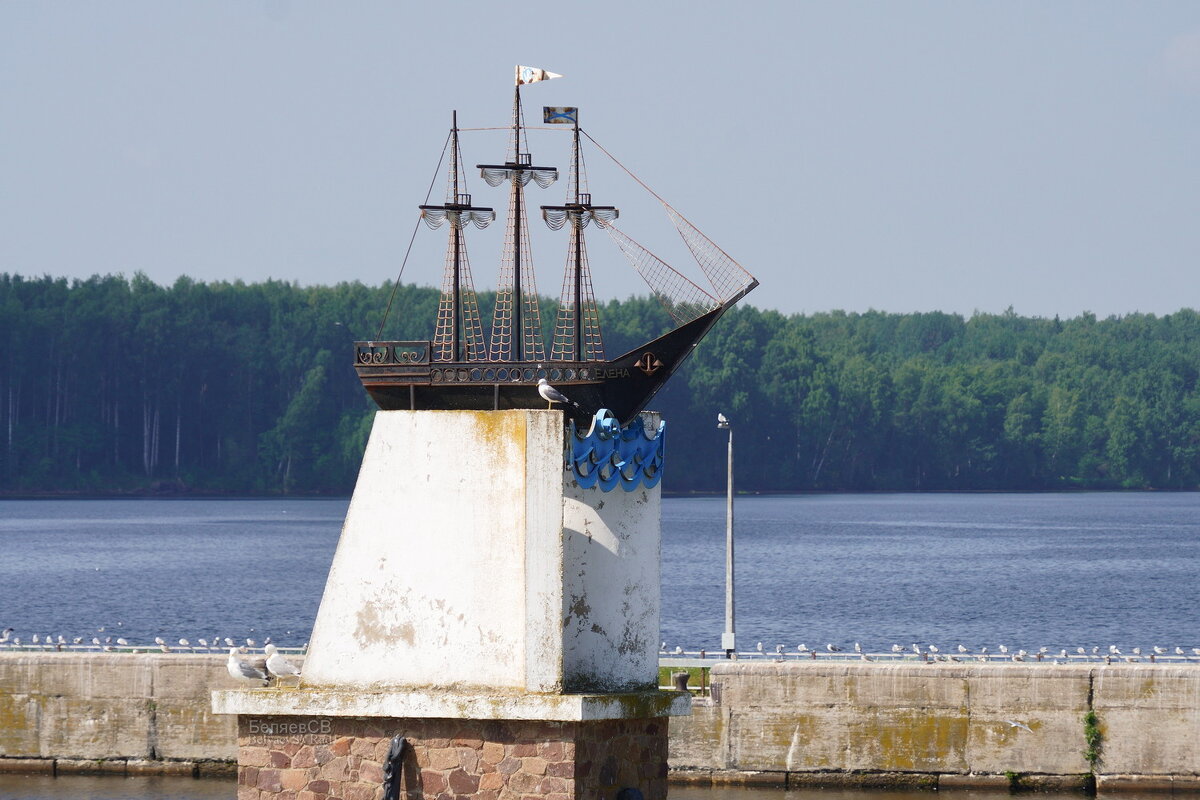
<point>416,227</point>
<point>717,265</point>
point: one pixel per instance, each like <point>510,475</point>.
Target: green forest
<point>118,385</point>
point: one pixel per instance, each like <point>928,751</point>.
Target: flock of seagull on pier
<point>961,654</point>
<point>253,669</point>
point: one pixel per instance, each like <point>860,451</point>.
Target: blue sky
<point>918,156</point>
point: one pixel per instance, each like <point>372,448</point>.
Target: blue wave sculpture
<point>609,455</point>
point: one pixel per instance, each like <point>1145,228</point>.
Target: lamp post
<point>728,638</point>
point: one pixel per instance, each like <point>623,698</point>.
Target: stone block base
<point>313,758</point>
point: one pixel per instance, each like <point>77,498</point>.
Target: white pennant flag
<point>533,75</point>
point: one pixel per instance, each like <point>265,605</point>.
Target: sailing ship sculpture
<point>459,369</point>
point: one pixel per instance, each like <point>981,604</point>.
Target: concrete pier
<point>905,724</point>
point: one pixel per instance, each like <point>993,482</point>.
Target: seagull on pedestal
<point>246,673</point>
<point>552,395</point>
<point>278,666</point>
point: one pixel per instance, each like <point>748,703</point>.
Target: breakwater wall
<point>122,713</point>
<point>1119,726</point>
<point>799,723</point>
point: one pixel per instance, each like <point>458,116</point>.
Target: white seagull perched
<point>246,673</point>
<point>722,419</point>
<point>552,395</point>
<point>279,666</point>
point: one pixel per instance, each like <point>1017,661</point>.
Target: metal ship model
<point>461,369</point>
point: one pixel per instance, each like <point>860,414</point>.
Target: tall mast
<point>577,329</point>
<point>459,332</point>
<point>578,349</point>
<point>456,242</point>
<point>510,340</point>
<point>517,207</point>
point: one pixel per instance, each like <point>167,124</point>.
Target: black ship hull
<point>400,375</point>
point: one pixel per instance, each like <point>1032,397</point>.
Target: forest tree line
<point>122,385</point>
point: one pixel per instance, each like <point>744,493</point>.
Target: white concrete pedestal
<point>479,592</point>
<point>471,559</point>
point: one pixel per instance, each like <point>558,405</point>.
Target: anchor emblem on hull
<point>648,363</point>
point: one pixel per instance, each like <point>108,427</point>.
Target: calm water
<point>20,787</point>
<point>1058,570</point>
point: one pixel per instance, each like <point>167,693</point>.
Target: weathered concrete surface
<point>610,593</point>
<point>825,718</point>
<point>470,560</point>
<point>429,585</point>
<point>88,706</point>
<point>441,704</point>
<point>1162,704</point>
<point>902,724</point>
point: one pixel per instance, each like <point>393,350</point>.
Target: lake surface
<point>21,787</point>
<point>1023,570</point>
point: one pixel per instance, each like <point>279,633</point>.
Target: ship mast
<point>516,321</point>
<point>577,329</point>
<point>459,332</point>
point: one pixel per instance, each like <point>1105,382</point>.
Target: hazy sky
<point>901,156</point>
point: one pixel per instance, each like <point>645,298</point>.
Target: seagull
<point>279,666</point>
<point>1003,649</point>
<point>801,648</point>
<point>962,648</point>
<point>722,419</point>
<point>833,648</point>
<point>1159,650</point>
<point>857,647</point>
<point>552,395</point>
<point>933,648</point>
<point>897,648</point>
<point>246,673</point>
